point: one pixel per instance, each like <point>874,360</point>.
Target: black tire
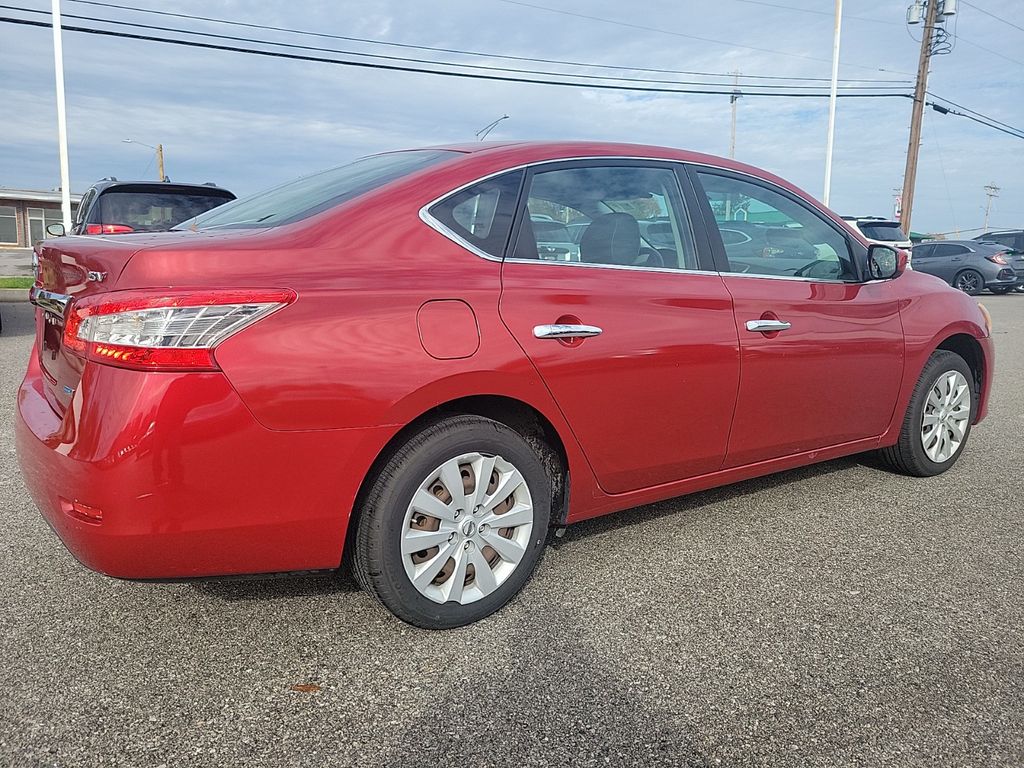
<point>378,562</point>
<point>908,455</point>
<point>1001,291</point>
<point>969,281</point>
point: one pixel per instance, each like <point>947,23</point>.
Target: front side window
<point>482,214</point>
<point>769,234</point>
<point>627,216</point>
<point>314,194</point>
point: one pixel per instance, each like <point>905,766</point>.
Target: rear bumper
<point>167,475</point>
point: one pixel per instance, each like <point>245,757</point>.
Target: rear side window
<point>948,249</point>
<point>481,215</point>
<point>152,211</point>
<point>314,194</point>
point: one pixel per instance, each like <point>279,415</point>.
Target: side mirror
<point>885,263</point>
<point>55,230</point>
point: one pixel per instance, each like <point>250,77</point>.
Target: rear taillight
<point>998,258</point>
<point>107,229</point>
<point>166,330</point>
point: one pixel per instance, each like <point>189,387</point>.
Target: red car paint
<point>256,466</point>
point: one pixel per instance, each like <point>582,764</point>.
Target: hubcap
<point>968,282</point>
<point>451,557</point>
<point>947,412</point>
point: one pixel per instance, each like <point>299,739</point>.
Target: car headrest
<point>612,238</point>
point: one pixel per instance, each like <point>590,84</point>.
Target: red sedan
<point>427,360</point>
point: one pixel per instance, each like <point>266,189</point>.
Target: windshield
<point>887,231</point>
<point>309,195</point>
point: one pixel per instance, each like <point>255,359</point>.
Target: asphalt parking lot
<point>834,615</point>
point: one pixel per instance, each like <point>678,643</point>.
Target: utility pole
<point>910,174</point>
<point>733,98</point>
<point>62,119</point>
<point>832,101</point>
<point>160,162</point>
<point>991,191</point>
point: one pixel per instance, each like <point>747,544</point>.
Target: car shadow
<point>283,586</point>
<point>679,505</point>
<point>278,586</point>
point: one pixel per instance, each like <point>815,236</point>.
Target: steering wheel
<point>649,257</point>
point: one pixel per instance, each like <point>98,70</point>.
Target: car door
<point>635,339</point>
<point>821,349</point>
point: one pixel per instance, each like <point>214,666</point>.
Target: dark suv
<point>1013,239</point>
<point>113,207</point>
<point>969,265</point>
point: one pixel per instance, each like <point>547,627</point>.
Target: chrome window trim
<point>437,226</point>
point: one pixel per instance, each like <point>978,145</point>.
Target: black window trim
<point>434,223</point>
<point>858,253</point>
<point>705,267</point>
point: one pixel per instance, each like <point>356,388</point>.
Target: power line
<point>974,112</point>
<point>963,39</point>
<point>674,33</point>
<point>296,46</point>
<point>992,15</point>
<point>817,12</point>
<point>977,117</point>
<point>458,51</point>
<point>448,73</point>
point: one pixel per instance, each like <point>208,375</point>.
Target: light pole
<point>159,149</point>
<point>62,120</point>
<point>832,101</point>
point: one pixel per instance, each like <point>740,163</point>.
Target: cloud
<point>248,122</point>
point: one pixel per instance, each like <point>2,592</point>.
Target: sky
<point>249,122</point>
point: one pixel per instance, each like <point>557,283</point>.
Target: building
<point>25,215</point>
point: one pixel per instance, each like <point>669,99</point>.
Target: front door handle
<point>767,326</point>
<point>561,331</point>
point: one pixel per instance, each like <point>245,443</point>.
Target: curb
<point>13,294</point>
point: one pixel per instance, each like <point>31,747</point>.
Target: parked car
<point>358,365</point>
<point>968,265</point>
<point>1013,239</point>
<point>112,207</point>
<point>878,230</point>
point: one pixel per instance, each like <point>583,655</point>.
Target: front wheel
<point>938,419</point>
<point>454,524</point>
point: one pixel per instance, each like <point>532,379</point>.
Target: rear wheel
<point>938,420</point>
<point>454,524</point>
<point>970,282</point>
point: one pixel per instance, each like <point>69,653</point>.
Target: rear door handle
<point>559,331</point>
<point>767,326</point>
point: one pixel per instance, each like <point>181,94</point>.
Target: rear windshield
<point>309,195</point>
<point>887,231</point>
<point>153,211</point>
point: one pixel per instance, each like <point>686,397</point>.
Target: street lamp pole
<point>159,149</point>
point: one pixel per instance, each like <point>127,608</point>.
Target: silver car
<point>968,265</point>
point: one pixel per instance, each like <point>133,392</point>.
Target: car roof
<point>158,186</point>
